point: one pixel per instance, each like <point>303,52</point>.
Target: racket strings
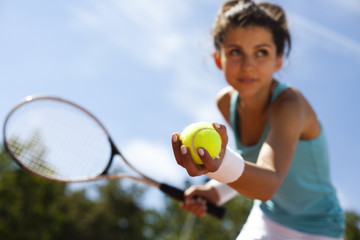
<point>58,141</point>
<point>31,156</point>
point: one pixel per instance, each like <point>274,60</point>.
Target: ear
<point>278,64</point>
<point>217,59</point>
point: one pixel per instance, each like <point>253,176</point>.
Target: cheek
<point>231,71</point>
<point>267,67</point>
<point>231,65</point>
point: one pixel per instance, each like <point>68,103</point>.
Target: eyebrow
<point>264,45</point>
<point>257,46</point>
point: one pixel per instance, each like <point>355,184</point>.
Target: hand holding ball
<point>201,134</point>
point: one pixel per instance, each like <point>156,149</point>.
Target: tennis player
<point>281,157</point>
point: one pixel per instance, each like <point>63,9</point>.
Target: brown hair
<point>245,13</point>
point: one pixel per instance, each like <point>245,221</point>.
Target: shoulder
<point>289,98</point>
<point>288,104</point>
<point>223,99</point>
<point>291,108</point>
<point>224,95</point>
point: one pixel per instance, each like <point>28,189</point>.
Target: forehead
<point>251,35</point>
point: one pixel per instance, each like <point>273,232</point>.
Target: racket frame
<point>165,188</point>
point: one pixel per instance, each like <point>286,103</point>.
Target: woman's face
<point>249,60</point>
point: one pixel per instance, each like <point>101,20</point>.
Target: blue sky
<point>144,68</point>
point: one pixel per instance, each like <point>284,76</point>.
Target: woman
<point>281,157</point>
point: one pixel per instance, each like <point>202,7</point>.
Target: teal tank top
<point>306,201</point>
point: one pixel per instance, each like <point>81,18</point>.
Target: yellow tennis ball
<point>201,134</point>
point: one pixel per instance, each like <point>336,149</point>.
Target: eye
<point>262,53</point>
<point>235,52</point>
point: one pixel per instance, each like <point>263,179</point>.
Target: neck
<point>259,103</point>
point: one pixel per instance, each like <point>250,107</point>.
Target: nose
<point>247,63</point>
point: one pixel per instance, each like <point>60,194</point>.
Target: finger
<point>187,162</point>
<point>176,144</point>
<point>221,129</point>
<point>210,164</point>
<point>199,207</point>
<point>202,209</point>
<point>189,205</point>
<point>195,206</point>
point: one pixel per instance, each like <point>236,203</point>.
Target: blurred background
<point>144,68</point>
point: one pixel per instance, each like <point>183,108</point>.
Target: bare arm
<point>261,180</point>
<point>288,116</point>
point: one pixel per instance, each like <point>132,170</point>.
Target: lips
<point>247,80</point>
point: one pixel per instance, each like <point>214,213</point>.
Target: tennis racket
<point>60,141</point>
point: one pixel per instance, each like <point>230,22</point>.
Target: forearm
<point>257,182</point>
<point>262,180</point>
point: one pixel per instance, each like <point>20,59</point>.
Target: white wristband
<point>230,169</point>
<point>225,192</point>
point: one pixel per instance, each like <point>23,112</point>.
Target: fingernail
<point>217,125</point>
<point>201,152</point>
<point>174,138</point>
<point>183,149</point>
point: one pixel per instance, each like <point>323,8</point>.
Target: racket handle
<point>178,194</point>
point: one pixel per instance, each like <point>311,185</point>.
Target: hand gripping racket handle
<point>178,194</point>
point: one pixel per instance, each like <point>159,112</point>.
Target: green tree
<point>27,204</point>
<point>33,208</point>
<point>176,224</point>
<point>352,231</point>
